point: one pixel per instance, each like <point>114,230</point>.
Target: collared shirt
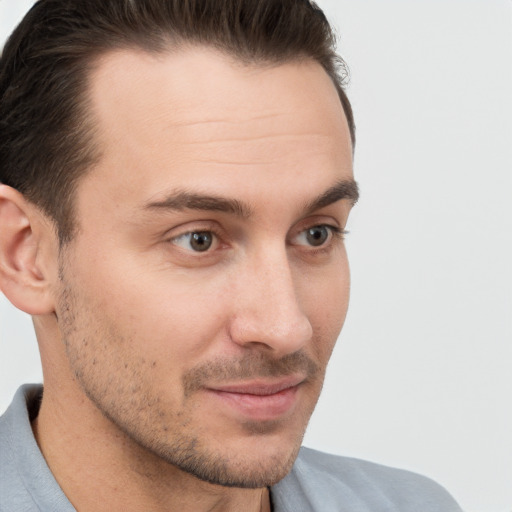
<point>318,482</point>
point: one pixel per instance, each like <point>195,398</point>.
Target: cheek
<point>324,299</point>
<point>164,314</point>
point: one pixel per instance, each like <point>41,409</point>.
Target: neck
<point>100,468</point>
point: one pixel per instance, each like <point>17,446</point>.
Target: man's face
<point>207,284</point>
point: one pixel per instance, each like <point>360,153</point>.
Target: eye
<point>317,236</point>
<point>198,241</point>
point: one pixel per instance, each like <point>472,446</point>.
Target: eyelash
<point>337,235</point>
<point>335,232</point>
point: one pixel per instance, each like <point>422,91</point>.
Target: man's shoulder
<point>26,483</point>
<point>331,483</point>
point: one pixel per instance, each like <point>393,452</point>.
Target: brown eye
<point>317,235</point>
<point>201,241</point>
<point>197,241</point>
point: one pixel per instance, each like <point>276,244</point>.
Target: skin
<point>144,339</point>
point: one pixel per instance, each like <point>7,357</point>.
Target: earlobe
<point>23,276</point>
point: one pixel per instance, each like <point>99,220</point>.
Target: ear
<point>26,240</point>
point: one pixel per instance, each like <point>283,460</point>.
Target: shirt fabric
<point>318,482</point>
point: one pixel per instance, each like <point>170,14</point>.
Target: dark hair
<point>46,131</point>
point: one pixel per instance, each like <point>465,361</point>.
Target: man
<point>176,181</point>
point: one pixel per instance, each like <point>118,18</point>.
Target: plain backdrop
<point>422,374</point>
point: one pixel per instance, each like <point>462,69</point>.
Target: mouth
<point>259,400</point>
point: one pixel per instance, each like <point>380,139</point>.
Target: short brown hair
<point>46,137</point>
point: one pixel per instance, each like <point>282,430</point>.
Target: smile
<point>259,400</point>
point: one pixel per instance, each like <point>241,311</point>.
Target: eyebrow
<point>182,200</point>
<point>344,189</point>
<point>190,201</point>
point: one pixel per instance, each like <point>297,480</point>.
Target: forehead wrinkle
<point>237,163</point>
<point>238,119</point>
<point>258,138</point>
<point>245,128</point>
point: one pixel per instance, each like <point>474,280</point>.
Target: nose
<point>267,309</point>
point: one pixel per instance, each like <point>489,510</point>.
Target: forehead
<point>192,115</point>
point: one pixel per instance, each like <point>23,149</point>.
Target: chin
<point>251,462</point>
<point>243,472</point>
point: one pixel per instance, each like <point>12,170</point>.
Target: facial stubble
<point>123,396</point>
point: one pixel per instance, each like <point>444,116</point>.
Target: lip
<point>259,400</point>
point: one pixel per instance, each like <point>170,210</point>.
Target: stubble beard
<point>131,407</point>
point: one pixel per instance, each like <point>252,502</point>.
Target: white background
<point>422,375</point>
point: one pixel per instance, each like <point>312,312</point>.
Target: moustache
<point>251,366</point>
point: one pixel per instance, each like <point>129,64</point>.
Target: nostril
<point>267,309</point>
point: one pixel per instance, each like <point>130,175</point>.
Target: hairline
<point>93,61</point>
